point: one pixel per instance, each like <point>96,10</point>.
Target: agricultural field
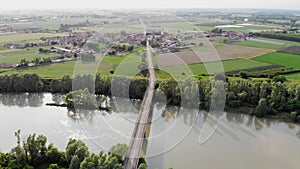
<point>287,43</point>
<point>267,43</point>
<point>213,67</point>
<point>24,38</point>
<point>292,50</point>
<point>102,66</point>
<point>225,51</point>
<point>232,51</point>
<point>255,44</point>
<point>14,56</point>
<point>250,28</point>
<point>284,59</point>
<point>295,76</point>
<point>117,28</point>
<point>52,24</point>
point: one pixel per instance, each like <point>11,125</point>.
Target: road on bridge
<point>136,143</point>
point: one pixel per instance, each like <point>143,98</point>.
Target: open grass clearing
<point>23,37</point>
<point>15,55</point>
<point>256,44</point>
<point>213,67</point>
<point>284,59</point>
<point>57,70</point>
<point>287,43</point>
<point>295,76</point>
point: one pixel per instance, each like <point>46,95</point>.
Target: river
<point>240,141</point>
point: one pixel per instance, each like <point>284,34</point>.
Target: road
<point>136,143</point>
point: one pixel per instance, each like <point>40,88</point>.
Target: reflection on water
<point>240,141</point>
<point>98,129</point>
<point>22,100</point>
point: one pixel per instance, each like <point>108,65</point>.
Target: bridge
<point>139,135</point>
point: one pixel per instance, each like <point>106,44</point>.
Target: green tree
<point>279,78</point>
<point>66,83</point>
<point>55,86</point>
<point>75,163</point>
<point>143,166</point>
<point>243,75</point>
<point>53,166</point>
<point>76,148</point>
<point>262,108</point>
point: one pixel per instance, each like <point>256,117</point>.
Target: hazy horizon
<point>135,4</point>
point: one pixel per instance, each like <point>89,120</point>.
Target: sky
<point>134,4</point>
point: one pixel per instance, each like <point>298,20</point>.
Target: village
<point>76,45</point>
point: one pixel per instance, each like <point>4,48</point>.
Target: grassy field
<point>2,47</point>
<point>258,44</point>
<point>22,38</point>
<point>57,70</point>
<point>283,59</point>
<point>287,43</point>
<point>249,28</point>
<point>49,23</point>
<point>15,55</point>
<point>267,45</point>
<point>213,67</point>
<point>295,76</point>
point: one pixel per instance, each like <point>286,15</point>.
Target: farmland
<point>284,59</point>
<point>15,55</point>
<point>250,28</point>
<point>26,37</point>
<point>258,44</point>
<point>225,52</point>
<point>108,63</point>
<point>213,67</point>
<point>292,50</point>
<point>287,43</point>
<point>295,76</point>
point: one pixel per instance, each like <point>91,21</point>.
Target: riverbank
<point>267,98</point>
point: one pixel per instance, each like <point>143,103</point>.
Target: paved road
<point>136,143</point>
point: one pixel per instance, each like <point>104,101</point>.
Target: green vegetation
<point>2,47</point>
<point>284,59</point>
<point>21,83</point>
<point>16,55</point>
<point>108,63</point>
<point>295,76</point>
<point>264,72</point>
<point>287,43</point>
<point>258,44</point>
<point>81,99</point>
<point>263,97</point>
<point>279,96</point>
<point>26,37</point>
<point>34,152</point>
<point>283,36</point>
<point>228,65</point>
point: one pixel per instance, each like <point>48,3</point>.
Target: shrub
<point>243,75</point>
<point>279,78</point>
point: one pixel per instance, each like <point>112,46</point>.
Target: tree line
<point>281,36</point>
<point>263,97</point>
<point>34,152</point>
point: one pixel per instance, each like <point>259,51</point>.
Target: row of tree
<point>282,36</point>
<point>35,153</point>
<point>36,61</point>
<point>271,96</point>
